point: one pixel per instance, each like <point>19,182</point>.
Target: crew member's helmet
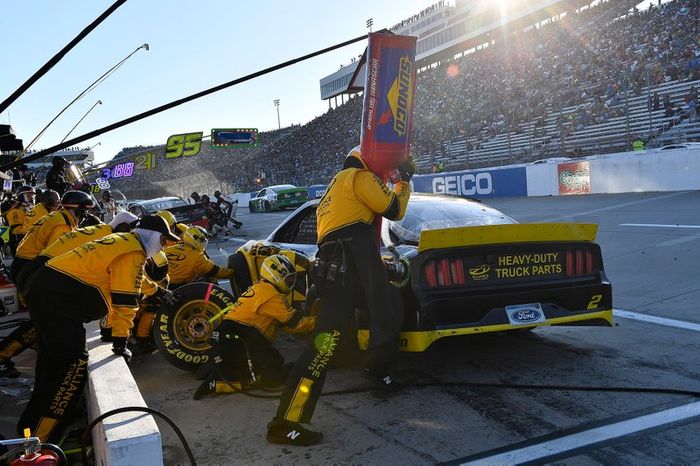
<point>157,267</point>
<point>217,194</point>
<point>168,217</point>
<point>77,202</point>
<point>279,271</point>
<point>196,237</point>
<point>354,159</point>
<point>26,194</point>
<point>59,161</point>
<point>51,199</point>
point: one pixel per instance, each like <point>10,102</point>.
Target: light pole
<point>277,104</point>
<point>96,82</point>
<point>369,23</point>
<point>99,102</point>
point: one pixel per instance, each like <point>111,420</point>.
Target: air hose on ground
<point>178,432</point>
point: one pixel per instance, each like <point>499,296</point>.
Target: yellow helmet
<point>168,217</point>
<point>196,237</point>
<point>279,271</point>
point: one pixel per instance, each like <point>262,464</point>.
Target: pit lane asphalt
<point>654,273</point>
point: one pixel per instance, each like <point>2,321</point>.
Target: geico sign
<point>463,185</point>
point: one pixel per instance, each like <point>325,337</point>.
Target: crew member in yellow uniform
<point>188,259</point>
<point>49,201</point>
<point>17,216</point>
<point>24,336</point>
<point>79,286</point>
<point>349,274</point>
<point>243,341</point>
<point>248,259</point>
<point>74,206</point>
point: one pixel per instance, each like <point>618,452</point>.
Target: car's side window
<point>300,230</point>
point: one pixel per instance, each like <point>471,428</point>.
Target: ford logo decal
<point>526,316</point>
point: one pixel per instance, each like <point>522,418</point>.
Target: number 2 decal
<point>595,300</point>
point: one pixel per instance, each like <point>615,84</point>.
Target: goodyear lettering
<point>403,100</point>
<point>464,185</point>
<point>528,265</point>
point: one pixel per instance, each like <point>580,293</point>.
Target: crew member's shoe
<point>7,369</point>
<point>207,387</point>
<point>383,385</point>
<point>283,432</point>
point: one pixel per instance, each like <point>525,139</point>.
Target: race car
<point>278,197</point>
<point>473,269</point>
<point>189,214</point>
<point>468,269</point>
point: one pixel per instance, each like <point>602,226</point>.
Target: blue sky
<point>193,46</point>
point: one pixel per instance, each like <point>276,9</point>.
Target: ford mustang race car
<point>472,269</point>
<point>278,197</point>
<point>469,269</point>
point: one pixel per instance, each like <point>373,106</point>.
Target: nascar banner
<point>387,113</point>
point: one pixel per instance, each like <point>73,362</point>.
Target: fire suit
<point>246,335</point>
<point>24,336</point>
<point>185,263</point>
<point>73,288</point>
<point>349,274</point>
<point>35,215</point>
<point>17,220</point>
<point>44,232</point>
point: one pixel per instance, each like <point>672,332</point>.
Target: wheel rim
<point>191,324</point>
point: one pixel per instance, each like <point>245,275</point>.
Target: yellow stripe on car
<point>419,341</point>
<point>510,233</point>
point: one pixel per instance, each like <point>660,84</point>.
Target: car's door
<point>298,231</point>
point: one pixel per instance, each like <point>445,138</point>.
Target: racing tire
<point>251,207</point>
<point>267,207</point>
<point>182,331</point>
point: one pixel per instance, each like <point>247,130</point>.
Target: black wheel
<point>251,206</point>
<point>267,206</point>
<point>182,331</point>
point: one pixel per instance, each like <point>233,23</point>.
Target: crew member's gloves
<point>406,170</point>
<point>119,347</point>
<point>165,296</point>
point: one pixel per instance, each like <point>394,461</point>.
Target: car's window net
<point>444,214</point>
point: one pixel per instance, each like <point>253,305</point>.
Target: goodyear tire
<point>182,331</point>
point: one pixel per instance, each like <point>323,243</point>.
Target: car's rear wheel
<point>267,206</point>
<point>182,331</point>
<point>251,206</point>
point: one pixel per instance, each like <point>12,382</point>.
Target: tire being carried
<point>182,331</point>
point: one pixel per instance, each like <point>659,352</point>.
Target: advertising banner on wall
<point>507,182</point>
<point>574,178</point>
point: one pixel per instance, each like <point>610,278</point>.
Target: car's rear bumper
<point>417,341</point>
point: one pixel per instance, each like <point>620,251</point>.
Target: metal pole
<point>99,102</point>
<point>56,58</point>
<point>627,112</point>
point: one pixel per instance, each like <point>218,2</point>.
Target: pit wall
<point>671,170</point>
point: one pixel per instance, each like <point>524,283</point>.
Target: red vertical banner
<point>574,178</point>
<point>387,113</point>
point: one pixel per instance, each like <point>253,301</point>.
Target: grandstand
<point>596,80</point>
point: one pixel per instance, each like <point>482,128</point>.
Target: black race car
<point>189,214</point>
<point>473,269</point>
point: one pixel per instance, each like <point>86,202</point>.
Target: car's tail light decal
<point>495,266</point>
<point>429,274</point>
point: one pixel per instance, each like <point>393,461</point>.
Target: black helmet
<point>77,200</point>
<point>51,199</point>
<point>217,193</point>
<point>195,196</point>
<point>26,189</point>
<point>59,160</point>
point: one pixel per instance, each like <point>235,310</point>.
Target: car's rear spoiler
<point>509,233</point>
